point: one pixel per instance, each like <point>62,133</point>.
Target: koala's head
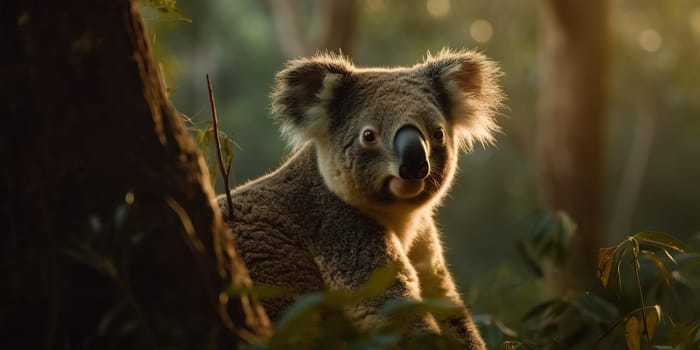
<point>388,137</point>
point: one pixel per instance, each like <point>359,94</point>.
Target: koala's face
<point>388,137</point>
<point>388,141</point>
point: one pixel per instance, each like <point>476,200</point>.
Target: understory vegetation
<point>646,298</point>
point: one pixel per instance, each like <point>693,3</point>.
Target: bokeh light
<point>481,31</point>
<point>438,8</point>
<point>376,6</point>
<point>695,20</point>
<point>650,40</point>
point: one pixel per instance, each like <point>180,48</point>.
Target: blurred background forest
<point>649,117</point>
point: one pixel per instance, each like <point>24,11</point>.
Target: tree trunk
<point>112,238</point>
<point>336,27</point>
<point>570,141</point>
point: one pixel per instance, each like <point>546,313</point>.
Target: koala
<point>374,154</point>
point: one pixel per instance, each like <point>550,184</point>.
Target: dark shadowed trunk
<point>570,141</point>
<point>111,238</point>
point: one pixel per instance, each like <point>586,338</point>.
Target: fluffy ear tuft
<point>302,92</point>
<point>470,82</point>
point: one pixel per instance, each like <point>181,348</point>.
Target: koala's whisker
<point>434,178</point>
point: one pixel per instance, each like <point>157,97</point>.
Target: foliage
<point>641,323</point>
<point>551,239</point>
<point>167,8</point>
<point>640,319</point>
<point>653,303</point>
<point>106,245</point>
<point>320,320</point>
<point>204,137</point>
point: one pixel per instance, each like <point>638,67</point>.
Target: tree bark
<point>570,143</point>
<point>112,237</point>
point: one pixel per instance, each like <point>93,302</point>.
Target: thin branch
<point>224,171</point>
<point>635,262</point>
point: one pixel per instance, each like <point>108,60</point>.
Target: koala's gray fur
<point>337,209</point>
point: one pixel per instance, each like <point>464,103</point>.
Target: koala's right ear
<point>302,93</point>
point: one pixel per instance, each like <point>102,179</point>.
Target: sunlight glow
<point>650,40</point>
<point>438,8</point>
<point>481,31</point>
<point>129,198</point>
<point>376,6</point>
<point>695,20</point>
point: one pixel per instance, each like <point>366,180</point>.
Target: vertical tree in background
<point>570,145</point>
<point>336,22</point>
<point>111,237</point>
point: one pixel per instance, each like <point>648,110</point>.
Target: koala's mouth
<point>405,189</point>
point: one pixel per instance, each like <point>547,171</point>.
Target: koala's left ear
<point>302,93</point>
<point>469,81</point>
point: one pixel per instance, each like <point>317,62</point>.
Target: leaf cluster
<point>651,302</point>
<point>550,239</point>
<point>640,324</point>
<point>321,320</point>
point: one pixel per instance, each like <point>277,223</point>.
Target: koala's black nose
<point>410,148</point>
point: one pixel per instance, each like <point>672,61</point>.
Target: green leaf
<point>538,309</point>
<point>662,239</point>
<point>167,7</point>
<point>379,281</point>
<point>670,257</point>
<point>378,341</point>
<point>300,312</point>
<point>552,236</point>
<point>622,253</point>
<point>634,327</point>
<point>664,272</point>
<point>653,319</point>
<point>567,229</point>
<point>528,258</point>
<point>120,214</point>
<point>595,309</point>
<point>541,232</point>
<point>558,308</point>
<point>605,264</point>
<point>513,345</point>
<point>403,312</point>
<point>437,306</point>
<point>203,139</point>
<point>109,317</point>
<point>84,253</point>
<point>633,333</point>
<point>226,147</point>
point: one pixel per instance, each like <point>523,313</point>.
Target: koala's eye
<point>368,137</point>
<point>439,134</point>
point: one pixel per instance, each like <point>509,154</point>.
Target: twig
<point>635,258</point>
<point>224,171</point>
